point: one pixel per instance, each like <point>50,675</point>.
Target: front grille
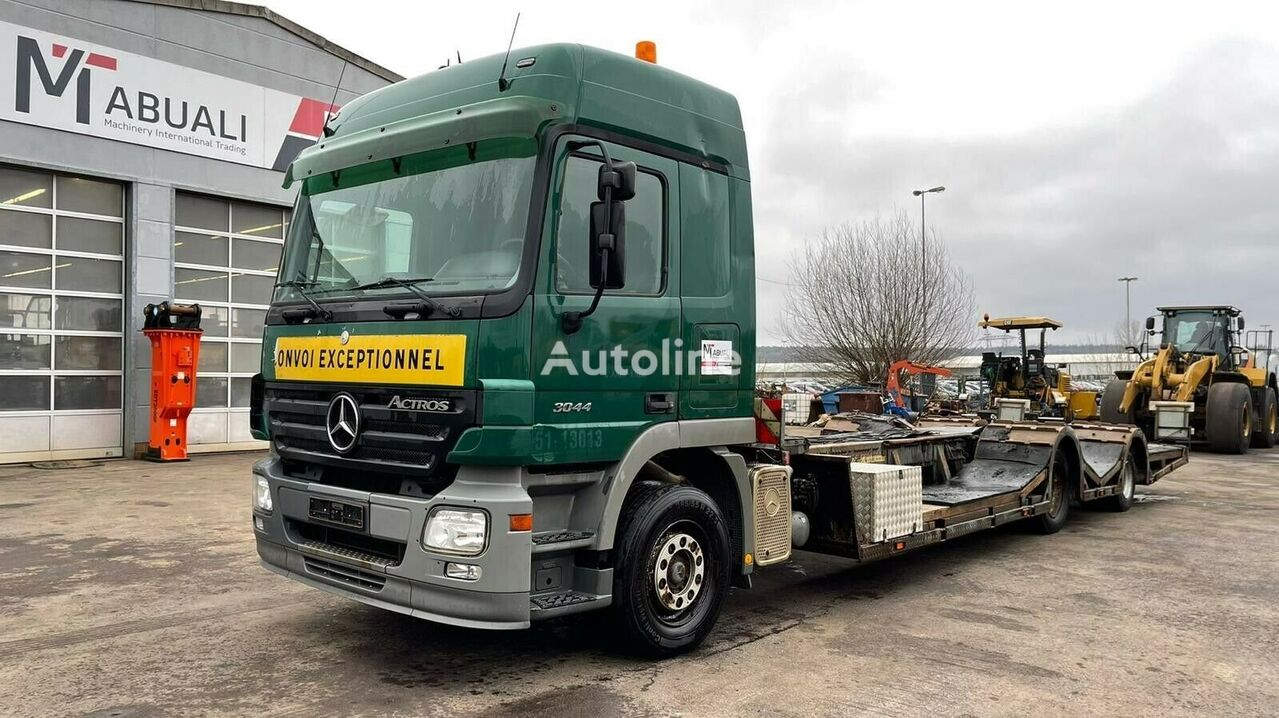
<point>404,443</point>
<point>345,574</point>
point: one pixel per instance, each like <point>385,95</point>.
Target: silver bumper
<point>416,584</point>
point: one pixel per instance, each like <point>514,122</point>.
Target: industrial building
<point>142,149</point>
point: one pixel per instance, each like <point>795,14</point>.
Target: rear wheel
<point>1122,501</point>
<point>1266,433</point>
<point>672,569</point>
<point>1228,418</point>
<point>1111,397</point>
<point>1058,496</point>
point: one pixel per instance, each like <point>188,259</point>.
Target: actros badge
<point>411,404</point>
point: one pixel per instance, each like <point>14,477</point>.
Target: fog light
<point>464,571</point>
<point>259,524</point>
<point>262,494</point>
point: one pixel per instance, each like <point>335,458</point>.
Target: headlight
<point>262,494</point>
<point>456,531</point>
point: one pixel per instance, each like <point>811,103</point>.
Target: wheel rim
<point>1128,481</point>
<point>679,570</point>
<point>1272,421</point>
<point>1058,491</point>
<point>1247,422</point>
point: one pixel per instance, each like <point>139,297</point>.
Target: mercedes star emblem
<point>343,422</point>
<point>344,337</point>
<point>772,502</point>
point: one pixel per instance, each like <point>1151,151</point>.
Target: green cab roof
<point>560,83</point>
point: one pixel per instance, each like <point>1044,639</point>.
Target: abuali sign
<point>68,84</point>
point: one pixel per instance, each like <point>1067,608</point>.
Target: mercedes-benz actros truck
<point>508,371</point>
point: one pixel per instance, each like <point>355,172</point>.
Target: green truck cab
<point>419,375</point>
<point>508,372</point>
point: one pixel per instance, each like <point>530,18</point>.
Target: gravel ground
<point>133,589</point>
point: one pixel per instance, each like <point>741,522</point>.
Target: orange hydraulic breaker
<point>174,331</point>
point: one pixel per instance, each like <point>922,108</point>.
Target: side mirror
<point>1131,350</point>
<point>620,179</point>
<point>614,186</point>
<point>1239,323</point>
<point>1150,324</point>
<point>611,242</point>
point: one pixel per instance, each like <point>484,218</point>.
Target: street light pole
<point>923,242</point>
<point>1128,307</point>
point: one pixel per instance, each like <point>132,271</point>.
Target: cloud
<point>1176,187</point>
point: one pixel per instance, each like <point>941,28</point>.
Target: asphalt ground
<point>133,589</point>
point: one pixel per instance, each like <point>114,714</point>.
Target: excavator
<point>1230,391</point>
<point>1028,376</point>
<point>895,404</point>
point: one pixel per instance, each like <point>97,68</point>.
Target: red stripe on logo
<point>309,119</point>
<point>103,61</point>
<point>59,50</point>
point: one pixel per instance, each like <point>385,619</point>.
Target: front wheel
<point>1228,418</point>
<point>672,569</point>
<point>1266,434</point>
<point>1111,397</point>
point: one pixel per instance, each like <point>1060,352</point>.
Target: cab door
<point>599,387</point>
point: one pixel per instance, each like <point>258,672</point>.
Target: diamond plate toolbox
<point>770,485</point>
<point>888,500</point>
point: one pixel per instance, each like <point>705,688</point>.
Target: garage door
<point>61,300</point>
<point>226,254</point>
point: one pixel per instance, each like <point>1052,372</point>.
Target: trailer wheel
<point>1059,497</point>
<point>1122,501</point>
<point>1111,397</point>
<point>672,569</point>
<point>1266,434</point>
<point>1228,419</point>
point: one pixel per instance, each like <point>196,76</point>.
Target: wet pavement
<point>133,589</point>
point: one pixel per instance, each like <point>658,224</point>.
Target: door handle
<point>661,402</point>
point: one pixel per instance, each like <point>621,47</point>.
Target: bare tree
<point>858,299</point>
<point>1129,333</point>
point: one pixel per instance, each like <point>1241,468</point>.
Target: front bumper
<point>414,584</point>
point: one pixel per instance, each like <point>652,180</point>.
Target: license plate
<point>337,512</point>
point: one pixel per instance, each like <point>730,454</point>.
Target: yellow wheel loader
<point>1028,375</point>
<point>1229,391</point>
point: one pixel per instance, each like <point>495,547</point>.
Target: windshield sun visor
<point>519,116</point>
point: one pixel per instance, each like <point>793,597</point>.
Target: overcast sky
<point>1078,142</point>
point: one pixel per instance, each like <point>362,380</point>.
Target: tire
<point>1111,397</point>
<point>1123,500</point>
<point>1265,433</point>
<point>670,535</point>
<point>1228,419</point>
<point>1060,493</point>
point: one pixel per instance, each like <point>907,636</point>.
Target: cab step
<point>547,541</point>
<point>549,605</point>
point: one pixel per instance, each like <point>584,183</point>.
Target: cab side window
<point>645,222</point>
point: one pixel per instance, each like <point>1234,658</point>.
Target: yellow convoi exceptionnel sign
<point>437,359</point>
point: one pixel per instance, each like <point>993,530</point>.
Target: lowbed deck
<point>975,476</point>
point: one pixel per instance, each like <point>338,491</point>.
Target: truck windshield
<point>453,226</point>
<point>1196,332</point>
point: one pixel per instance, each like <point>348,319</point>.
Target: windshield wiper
<point>300,285</point>
<point>428,304</point>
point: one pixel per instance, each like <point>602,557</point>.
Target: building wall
<point>249,49</point>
